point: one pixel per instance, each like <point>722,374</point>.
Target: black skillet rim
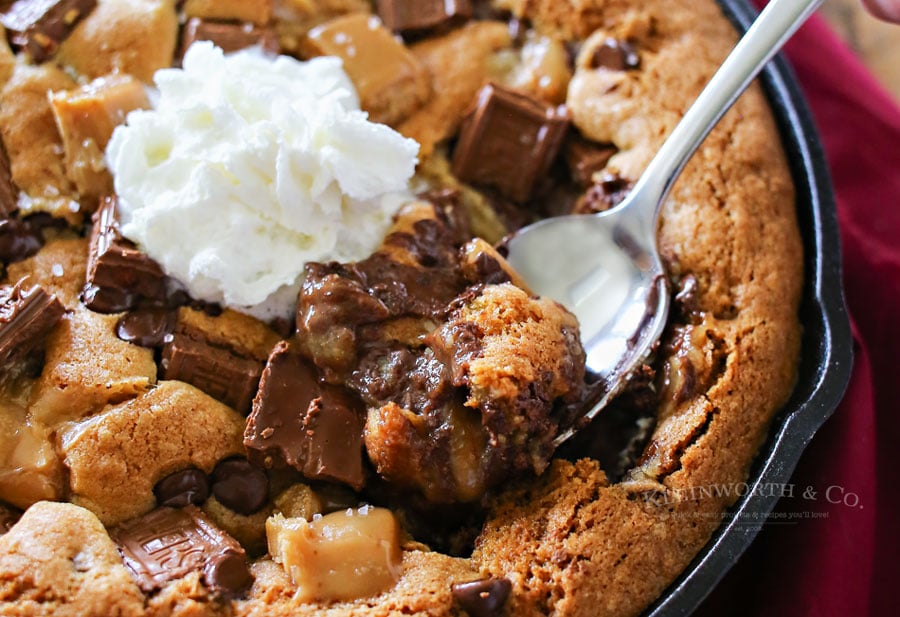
<point>827,342</point>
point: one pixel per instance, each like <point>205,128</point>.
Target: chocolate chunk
<point>585,159</point>
<point>182,488</point>
<point>417,16</point>
<point>26,316</point>
<point>508,141</point>
<point>9,516</point>
<point>229,36</point>
<point>240,485</point>
<point>686,301</point>
<point>298,422</point>
<point>147,327</point>
<point>221,373</point>
<point>603,195</point>
<point>119,276</point>
<point>615,55</point>
<point>167,544</point>
<point>39,26</point>
<point>484,598</point>
<point>9,201</point>
<point>22,238</point>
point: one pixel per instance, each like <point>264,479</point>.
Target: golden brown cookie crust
<point>570,542</point>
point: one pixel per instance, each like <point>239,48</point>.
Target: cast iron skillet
<point>826,347</point>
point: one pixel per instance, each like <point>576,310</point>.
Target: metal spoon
<point>605,267</point>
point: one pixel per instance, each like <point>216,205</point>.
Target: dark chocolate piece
<point>298,422</point>
<point>182,488</point>
<point>119,276</point>
<point>167,544</point>
<point>147,327</point>
<point>9,201</point>
<point>240,485</point>
<point>221,373</point>
<point>603,195</point>
<point>229,36</point>
<point>484,598</point>
<point>18,240</point>
<point>585,159</point>
<point>509,141</point>
<point>417,16</point>
<point>9,516</point>
<point>615,55</point>
<point>26,316</point>
<point>39,26</point>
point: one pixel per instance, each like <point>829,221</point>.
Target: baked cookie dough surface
<point>101,422</point>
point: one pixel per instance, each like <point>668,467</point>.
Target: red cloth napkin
<point>843,560</point>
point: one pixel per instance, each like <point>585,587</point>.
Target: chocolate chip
<point>39,26</point>
<point>608,192</point>
<point>585,158</point>
<point>240,485</point>
<point>229,37</point>
<point>147,327</point>
<point>298,422</point>
<point>168,543</point>
<point>26,316</point>
<point>182,488</point>
<point>615,55</point>
<point>508,141</point>
<point>228,572</point>
<point>416,16</point>
<point>484,598</point>
<point>17,240</point>
<point>119,276</point>
<point>221,373</point>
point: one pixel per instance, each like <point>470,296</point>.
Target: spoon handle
<point>774,26</point>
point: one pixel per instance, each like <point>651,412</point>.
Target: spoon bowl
<point>605,267</point>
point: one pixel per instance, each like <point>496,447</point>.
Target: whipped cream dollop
<point>249,166</point>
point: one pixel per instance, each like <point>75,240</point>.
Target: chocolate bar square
<point>422,15</point>
<point>119,275</point>
<point>168,543</point>
<point>508,141</point>
<point>221,373</point>
<point>39,26</point>
<point>26,316</point>
<point>229,37</point>
<point>298,422</point>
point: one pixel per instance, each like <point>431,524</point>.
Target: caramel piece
<point>119,275</point>
<point>137,38</point>
<point>30,469</point>
<point>169,543</point>
<point>391,81</point>
<point>33,143</point>
<point>86,118</point>
<point>509,141</point>
<point>340,556</point>
<point>542,68</point>
<point>229,37</point>
<point>255,11</point>
<point>414,16</point>
<point>38,26</point>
